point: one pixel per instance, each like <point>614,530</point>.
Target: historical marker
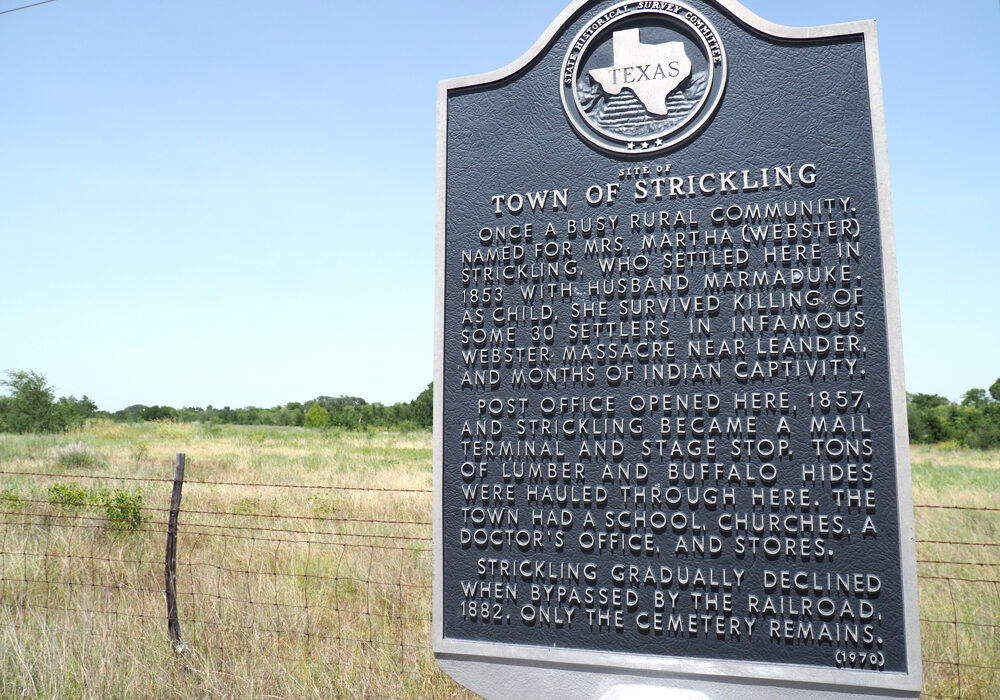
<point>670,439</point>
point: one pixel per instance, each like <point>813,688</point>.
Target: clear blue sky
<point>233,202</point>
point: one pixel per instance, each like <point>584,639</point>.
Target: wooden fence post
<point>173,623</point>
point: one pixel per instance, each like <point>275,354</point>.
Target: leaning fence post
<point>173,623</point>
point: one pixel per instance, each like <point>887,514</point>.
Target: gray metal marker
<point>671,458</point>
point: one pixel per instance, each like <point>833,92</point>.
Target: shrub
<point>10,499</point>
<point>317,417</point>
<point>98,494</point>
<point>124,509</point>
<point>247,506</point>
<point>76,455</point>
<point>68,495</point>
<point>140,451</point>
<point>323,504</point>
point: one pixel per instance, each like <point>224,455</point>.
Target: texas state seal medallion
<point>643,77</point>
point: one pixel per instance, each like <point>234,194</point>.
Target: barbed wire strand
<point>25,7</point>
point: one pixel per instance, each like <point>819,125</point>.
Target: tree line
<point>973,422</point>
<point>32,407</point>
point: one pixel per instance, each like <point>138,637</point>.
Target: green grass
<point>930,477</point>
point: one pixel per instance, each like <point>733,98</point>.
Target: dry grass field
<point>305,590</point>
<point>958,582</point>
<point>283,592</point>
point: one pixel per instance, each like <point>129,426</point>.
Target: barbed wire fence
<point>333,600</point>
<point>958,563</point>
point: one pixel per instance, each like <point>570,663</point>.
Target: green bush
<point>10,499</point>
<point>124,509</point>
<point>247,506</point>
<point>317,417</point>
<point>974,422</point>
<point>323,505</point>
<point>68,495</point>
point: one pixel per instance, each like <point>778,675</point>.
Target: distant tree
<point>423,407</point>
<point>191,414</point>
<point>73,411</point>
<point>6,406</point>
<point>291,413</point>
<point>86,406</point>
<point>975,422</point>
<point>924,401</point>
<point>983,418</point>
<point>130,414</point>
<point>348,416</point>
<point>154,413</point>
<point>334,404</point>
<point>975,397</point>
<point>32,408</point>
<point>317,417</point>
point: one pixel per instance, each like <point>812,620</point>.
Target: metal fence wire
<point>340,589</point>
